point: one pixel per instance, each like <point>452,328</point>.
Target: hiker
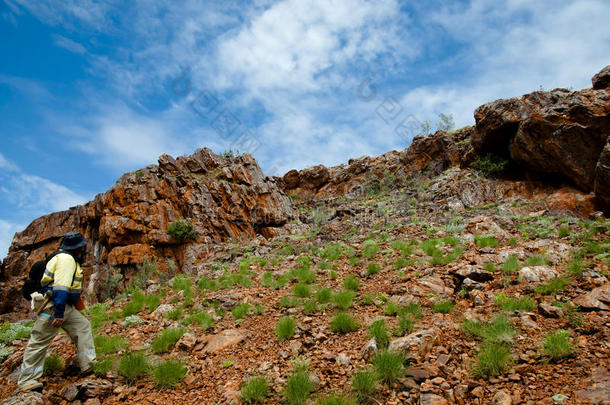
<point>63,279</point>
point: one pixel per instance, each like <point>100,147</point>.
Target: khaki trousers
<point>79,330</point>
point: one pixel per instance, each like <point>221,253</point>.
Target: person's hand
<point>57,322</point>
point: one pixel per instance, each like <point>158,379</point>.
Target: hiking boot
<point>36,386</point>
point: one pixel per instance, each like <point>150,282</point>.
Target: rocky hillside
<point>470,268</point>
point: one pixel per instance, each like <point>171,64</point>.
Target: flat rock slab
<point>30,398</point>
<point>417,342</point>
<point>598,298</point>
<point>598,388</point>
<point>537,274</point>
<point>226,338</point>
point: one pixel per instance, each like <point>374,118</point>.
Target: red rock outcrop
<point>433,153</point>
<point>560,132</point>
<point>224,197</point>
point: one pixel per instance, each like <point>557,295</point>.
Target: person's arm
<point>64,272</point>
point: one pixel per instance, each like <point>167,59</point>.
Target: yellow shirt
<point>59,272</point>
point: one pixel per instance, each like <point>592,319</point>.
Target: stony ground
<point>473,255</point>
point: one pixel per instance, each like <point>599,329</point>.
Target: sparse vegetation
<point>390,366</point>
<point>285,328</point>
<point>301,290</point>
<point>553,286</point>
<point>343,323</point>
<point>492,360</point>
<point>490,165</point>
<point>298,386</point>
<point>557,345</point>
<point>52,363</point>
<point>484,241</point>
<point>351,283</point>
<point>182,230</point>
<point>443,307</point>
<point>514,304</point>
<point>254,390</point>
<point>378,330</point>
<point>133,366</point>
<point>167,339</point>
<point>108,344</point>
<point>364,385</point>
<point>169,373</point>
<point>343,299</point>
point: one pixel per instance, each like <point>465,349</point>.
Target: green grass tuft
<point>343,323</point>
<point>336,399</point>
<point>103,366</point>
<point>515,304</point>
<point>364,385</point>
<point>167,339</point>
<point>511,265</point>
<point>324,295</point>
<point>169,373</point>
<point>373,268</point>
<point>491,360</point>
<point>285,328</point>
<point>133,366</point>
<point>254,390</point>
<point>536,260</point>
<point>351,283</point>
<point>109,344</point>
<point>298,387</point>
<point>378,330</point>
<point>343,299</point>
<point>301,290</point>
<point>557,345</point>
<point>553,286</point>
<point>241,310</point>
<point>444,307</point>
<point>484,241</point>
<point>390,366</point>
<point>52,364</point>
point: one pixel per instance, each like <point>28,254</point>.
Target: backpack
<point>32,284</point>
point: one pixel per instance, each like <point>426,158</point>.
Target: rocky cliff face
<point>562,133</point>
<point>224,197</point>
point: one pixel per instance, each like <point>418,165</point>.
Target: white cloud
<point>69,44</point>
<point>34,194</point>
<point>516,48</point>
<point>292,44</point>
<point>7,231</point>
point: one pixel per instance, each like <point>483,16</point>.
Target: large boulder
<point>559,132</point>
<point>223,197</point>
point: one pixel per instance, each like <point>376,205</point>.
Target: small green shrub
<point>167,339</point>
<point>9,332</point>
<point>391,308</point>
<point>135,305</point>
<point>351,283</point>
<point>412,309</point>
<point>52,364</point>
<point>491,360</point>
<point>373,268</point>
<point>557,345</point>
<point>175,314</point>
<point>370,249</point>
<point>484,241</point>
<point>285,328</point>
<point>553,286</point>
<point>343,299</point>
<point>108,344</point>
<point>389,366</point>
<point>298,387</point>
<point>182,230</point>
<point>133,366</point>
<point>110,286</point>
<point>498,330</point>
<point>324,295</point>
<point>343,323</point>
<point>405,325</point>
<point>490,165</point>
<point>379,331</point>
<point>103,366</point>
<point>310,307</point>
<point>515,304</point>
<point>203,319</point>
<point>254,390</point>
<point>511,265</point>
<point>152,302</point>
<point>575,267</point>
<point>364,385</point>
<point>301,290</point>
<point>443,307</point>
<point>563,231</point>
<point>169,373</point>
<point>490,267</point>
<point>536,260</point>
<point>241,310</point>
<point>182,283</point>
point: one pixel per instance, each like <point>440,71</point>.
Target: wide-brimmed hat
<point>73,241</point>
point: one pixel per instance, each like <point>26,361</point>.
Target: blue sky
<point>92,89</point>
